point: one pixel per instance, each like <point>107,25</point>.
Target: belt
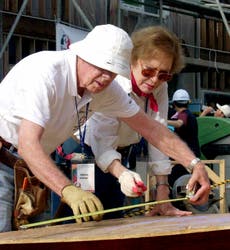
<point>6,155</point>
<point>7,145</point>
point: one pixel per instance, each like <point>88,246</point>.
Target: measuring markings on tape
<point>150,203</point>
<point>73,217</point>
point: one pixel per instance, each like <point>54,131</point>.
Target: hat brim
<point>218,106</point>
<point>182,101</point>
<point>100,59</point>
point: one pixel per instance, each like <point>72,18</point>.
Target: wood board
<point>210,231</point>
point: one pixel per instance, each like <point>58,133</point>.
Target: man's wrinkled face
<point>93,78</point>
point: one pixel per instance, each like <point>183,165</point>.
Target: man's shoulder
<point>124,83</point>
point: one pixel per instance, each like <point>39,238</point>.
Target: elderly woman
<point>156,56</point>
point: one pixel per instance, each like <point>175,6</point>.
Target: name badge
<point>83,176</point>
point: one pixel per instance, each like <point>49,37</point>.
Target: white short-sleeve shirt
<point>42,88</point>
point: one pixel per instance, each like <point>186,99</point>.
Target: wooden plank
<point>226,41</point>
<point>227,80</point>
<point>222,81</point>
<point>53,8</point>
<point>206,64</point>
<point>14,5</point>
<point>220,36</point>
<point>211,29</point>
<point>213,82</point>
<point>205,80</point>
<point>18,45</point>
<point>131,233</point>
<point>42,8</point>
<point>29,8</point>
<point>203,34</point>
<point>5,58</point>
<point>67,11</point>
<point>30,27</point>
<point>222,188</point>
<point>6,5</point>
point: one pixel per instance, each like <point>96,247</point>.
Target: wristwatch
<point>162,183</point>
<point>193,164</point>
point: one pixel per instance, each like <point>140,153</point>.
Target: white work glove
<point>131,184</point>
<point>81,202</point>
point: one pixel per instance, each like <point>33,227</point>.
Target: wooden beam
<point>30,27</point>
<point>205,64</point>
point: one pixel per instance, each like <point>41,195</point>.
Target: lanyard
<point>146,105</point>
<point>82,135</point>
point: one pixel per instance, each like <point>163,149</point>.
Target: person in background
<point>222,111</point>
<point>186,127</point>
<point>47,94</point>
<point>184,121</point>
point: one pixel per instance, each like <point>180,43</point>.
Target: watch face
<point>194,161</point>
<point>193,164</point>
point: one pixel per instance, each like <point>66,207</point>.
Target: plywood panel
<point>132,233</point>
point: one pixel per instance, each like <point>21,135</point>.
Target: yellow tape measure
<point>220,183</point>
<point>150,204</point>
<point>73,217</point>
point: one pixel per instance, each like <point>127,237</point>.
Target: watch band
<point>162,183</point>
<point>193,164</point>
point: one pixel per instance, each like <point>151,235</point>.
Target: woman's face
<point>149,74</point>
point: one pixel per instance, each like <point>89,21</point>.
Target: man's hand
<point>81,202</point>
<point>199,183</point>
<point>131,184</point>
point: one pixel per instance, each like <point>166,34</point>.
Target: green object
<point>211,129</point>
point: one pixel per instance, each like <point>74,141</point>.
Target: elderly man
<point>47,94</point>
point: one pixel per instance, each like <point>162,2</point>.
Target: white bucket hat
<point>181,95</point>
<point>225,109</point>
<point>107,47</point>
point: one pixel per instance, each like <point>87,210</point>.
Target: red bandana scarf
<point>152,100</point>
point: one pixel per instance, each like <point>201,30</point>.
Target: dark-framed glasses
<point>151,72</point>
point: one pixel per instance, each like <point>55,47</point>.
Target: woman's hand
<point>166,209</point>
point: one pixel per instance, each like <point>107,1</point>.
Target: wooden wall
<point>214,36</point>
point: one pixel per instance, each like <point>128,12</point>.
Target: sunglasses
<point>151,72</point>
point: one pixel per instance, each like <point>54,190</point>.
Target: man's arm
<point>30,149</point>
<point>42,166</point>
<point>171,145</point>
